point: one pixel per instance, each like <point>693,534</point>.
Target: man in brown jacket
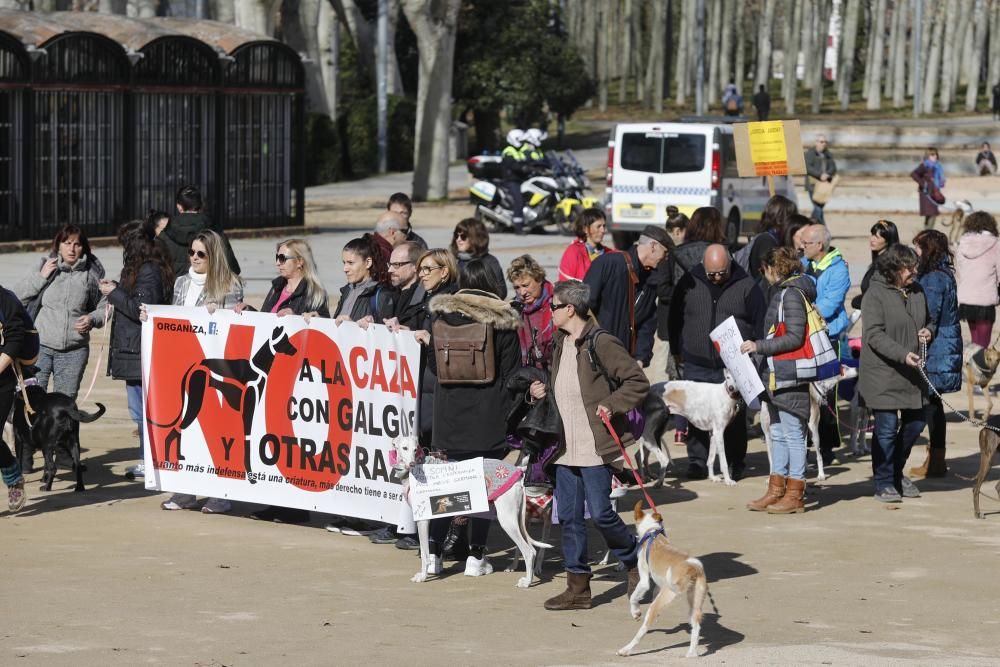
<point>593,375</point>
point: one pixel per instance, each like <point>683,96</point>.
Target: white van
<point>688,165</point>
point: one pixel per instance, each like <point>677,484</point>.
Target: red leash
<point>621,448</point>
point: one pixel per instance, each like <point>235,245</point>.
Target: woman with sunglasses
<point>471,241</point>
<point>884,234</point>
<point>368,291</point>
<point>210,283</point>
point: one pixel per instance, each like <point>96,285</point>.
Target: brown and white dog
<point>980,367</point>
<point>673,572</point>
<point>817,402</point>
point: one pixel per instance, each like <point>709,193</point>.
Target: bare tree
<point>726,43</point>
<point>434,23</point>
<point>949,63</point>
<point>714,27</point>
<point>993,67</point>
<point>892,23</point>
<point>257,15</point>
<point>878,57</point>
<point>222,10</point>
<point>626,50</point>
<point>823,10</point>
<point>765,29</point>
<point>899,77</point>
<point>682,71</point>
<point>790,84</point>
<point>112,6</point>
<point>655,65</point>
<point>845,71</point>
<point>976,60</point>
<point>638,50</point>
<point>740,66</point>
<point>328,36</point>
<point>299,21</point>
<point>808,32</point>
<point>934,57</point>
<point>602,27</point>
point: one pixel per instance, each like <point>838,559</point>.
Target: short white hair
<point>388,222</point>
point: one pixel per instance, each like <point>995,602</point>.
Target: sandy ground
<point>107,578</point>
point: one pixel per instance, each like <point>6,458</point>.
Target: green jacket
<point>176,237</point>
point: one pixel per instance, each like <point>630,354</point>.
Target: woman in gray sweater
<point>787,397</point>
<point>60,294</point>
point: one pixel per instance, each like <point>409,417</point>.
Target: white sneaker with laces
<point>476,567</point>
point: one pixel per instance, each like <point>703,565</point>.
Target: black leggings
<point>936,423</point>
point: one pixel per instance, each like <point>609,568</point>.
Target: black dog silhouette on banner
<point>240,383</point>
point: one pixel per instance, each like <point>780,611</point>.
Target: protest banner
<point>448,489</point>
<point>769,148</point>
<point>727,340</point>
<point>273,410</point>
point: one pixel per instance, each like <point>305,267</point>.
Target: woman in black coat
<point>470,420</point>
<point>471,241</point>
<point>297,289</point>
<point>883,235</point>
<point>146,279</point>
<point>367,292</point>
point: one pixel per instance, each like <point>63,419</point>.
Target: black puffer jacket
<point>537,423</point>
<point>474,417</point>
<point>125,360</point>
<point>297,302</point>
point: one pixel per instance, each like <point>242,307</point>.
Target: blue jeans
<point>133,392</point>
<point>788,444</point>
<point>817,212</point>
<point>574,485</point>
<point>895,434</point>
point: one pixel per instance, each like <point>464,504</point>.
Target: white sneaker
<point>475,567</point>
<point>136,471</point>
<point>618,489</point>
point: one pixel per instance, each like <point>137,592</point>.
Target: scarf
<point>937,171</point>
<point>196,286</point>
<point>535,332</point>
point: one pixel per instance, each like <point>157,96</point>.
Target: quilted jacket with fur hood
<point>472,418</point>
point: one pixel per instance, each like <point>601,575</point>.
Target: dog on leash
<point>818,392</point>
<point>509,507</point>
<point>980,367</point>
<point>707,406</point>
<point>988,442</point>
<point>674,573</point>
<point>54,429</point>
<point>655,417</point>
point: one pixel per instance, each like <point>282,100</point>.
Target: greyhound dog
<point>707,406</point>
<point>988,442</point>
<point>240,383</point>
<point>673,572</point>
<point>509,506</point>
<point>980,367</point>
<point>817,401</point>
<point>54,429</point>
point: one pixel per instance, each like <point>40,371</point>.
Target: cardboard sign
<point>274,410</point>
<point>727,339</point>
<point>448,489</point>
<point>771,148</point>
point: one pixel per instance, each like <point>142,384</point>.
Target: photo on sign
<point>450,502</point>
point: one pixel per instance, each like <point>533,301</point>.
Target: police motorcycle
<point>540,192</point>
<point>574,186</point>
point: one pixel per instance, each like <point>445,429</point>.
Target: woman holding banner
<point>209,282</point>
<point>368,291</point>
<point>787,399</point>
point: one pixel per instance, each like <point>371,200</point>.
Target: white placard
<point>727,339</point>
<point>448,489</point>
<point>275,410</point>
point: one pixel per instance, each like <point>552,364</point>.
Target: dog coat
<point>500,476</point>
<point>979,359</point>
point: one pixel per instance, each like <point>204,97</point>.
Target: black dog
<point>54,429</point>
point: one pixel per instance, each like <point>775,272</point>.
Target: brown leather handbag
<point>464,353</point>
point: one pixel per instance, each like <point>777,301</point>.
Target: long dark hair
<point>476,232</point>
<point>705,225</point>
<point>887,230</point>
<point>476,275</point>
<point>138,249</point>
<point>934,250</point>
<point>67,231</point>
<point>777,214</point>
<point>365,248</point>
<point>793,225</point>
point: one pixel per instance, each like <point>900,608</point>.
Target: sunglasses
<point>426,268</point>
<point>201,254</point>
<point>281,259</point>
<point>398,265</point>
<point>716,274</point>
<point>461,235</point>
<point>558,306</point>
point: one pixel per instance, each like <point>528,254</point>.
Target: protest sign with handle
<point>727,340</point>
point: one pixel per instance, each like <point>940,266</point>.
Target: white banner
<point>448,489</point>
<point>727,339</point>
<point>273,410</point>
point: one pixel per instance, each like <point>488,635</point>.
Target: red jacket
<point>576,260</point>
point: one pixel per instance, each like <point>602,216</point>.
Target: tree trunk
<point>808,30</point>
<point>654,68</point>
<point>626,51</point>
<point>726,44</point>
<point>328,34</point>
<point>764,33</point>
<point>682,76</point>
<point>603,21</point>
<point>899,77</point>
<point>434,23</point>
<point>878,57</point>
<point>845,72</point>
<point>962,35</point>
<point>892,21</point>
<point>993,68</point>
<point>588,38</point>
<point>361,34</point>
<point>933,58</point>
<point>823,10</point>
<point>948,55</point>
<point>712,47</point>
<point>395,83</point>
<point>976,60</point>
<point>103,6</point>
<point>638,51</point>
<point>740,67</point>
<point>223,11</point>
<point>790,84</point>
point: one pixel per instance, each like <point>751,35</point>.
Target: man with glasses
<point>830,271</point>
<point>400,204</point>
<point>406,307</point>
<point>623,291</point>
<point>708,295</point>
<point>819,167</point>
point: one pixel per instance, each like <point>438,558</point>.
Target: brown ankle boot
<point>936,466</point>
<point>791,502</point>
<point>921,470</point>
<point>576,595</point>
<point>775,490</point>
